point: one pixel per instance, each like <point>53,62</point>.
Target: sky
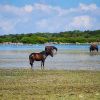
<point>31,16</point>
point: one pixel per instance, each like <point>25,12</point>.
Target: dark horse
<point>39,57</point>
<point>93,47</point>
<point>51,48</point>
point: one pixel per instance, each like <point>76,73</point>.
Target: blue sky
<point>30,16</point>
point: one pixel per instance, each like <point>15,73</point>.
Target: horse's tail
<point>30,59</point>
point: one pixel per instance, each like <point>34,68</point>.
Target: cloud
<point>46,25</point>
<point>12,16</point>
<point>42,23</point>
<point>19,11</point>
<point>42,17</point>
<point>90,7</point>
<point>82,21</point>
<point>28,8</point>
<point>42,7</point>
<point>6,26</point>
<point>49,9</point>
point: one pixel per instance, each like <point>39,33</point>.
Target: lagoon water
<point>69,57</point>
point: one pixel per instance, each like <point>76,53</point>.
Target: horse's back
<point>36,56</point>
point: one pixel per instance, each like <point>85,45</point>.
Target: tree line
<point>61,37</point>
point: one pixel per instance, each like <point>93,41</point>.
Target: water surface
<point>70,57</point>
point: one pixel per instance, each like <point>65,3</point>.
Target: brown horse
<point>39,57</point>
<point>50,48</point>
<point>93,47</point>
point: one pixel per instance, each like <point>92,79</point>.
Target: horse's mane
<point>42,52</point>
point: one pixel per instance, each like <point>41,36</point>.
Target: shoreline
<point>49,43</point>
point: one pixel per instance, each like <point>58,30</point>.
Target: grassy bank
<point>26,84</point>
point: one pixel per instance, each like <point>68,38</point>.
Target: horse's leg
<point>31,63</point>
<point>90,49</point>
<point>97,49</point>
<point>43,63</point>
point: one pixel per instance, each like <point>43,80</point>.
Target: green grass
<point>26,84</point>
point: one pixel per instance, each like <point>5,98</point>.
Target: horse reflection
<point>39,57</point>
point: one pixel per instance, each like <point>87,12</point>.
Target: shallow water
<point>71,57</point>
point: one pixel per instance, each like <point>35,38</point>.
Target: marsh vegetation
<point>26,84</point>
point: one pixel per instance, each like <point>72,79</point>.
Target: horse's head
<point>49,52</point>
<point>51,49</point>
<point>54,49</point>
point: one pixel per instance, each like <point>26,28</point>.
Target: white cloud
<point>12,16</point>
<point>49,9</point>
<point>45,8</point>
<point>28,8</point>
<point>80,21</point>
<point>6,26</point>
<point>48,18</point>
<point>10,26</point>
<point>19,11</point>
<point>90,7</point>
<point>53,24</point>
<point>42,23</point>
<point>42,7</point>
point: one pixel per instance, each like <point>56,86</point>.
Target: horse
<point>41,56</point>
<point>50,48</point>
<point>93,47</point>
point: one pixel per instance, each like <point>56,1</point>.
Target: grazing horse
<point>93,47</point>
<point>39,57</point>
<point>50,48</point>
